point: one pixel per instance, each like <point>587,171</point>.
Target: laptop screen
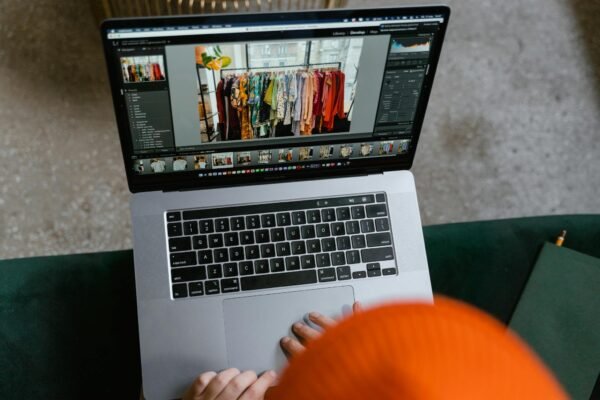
<point>218,100</point>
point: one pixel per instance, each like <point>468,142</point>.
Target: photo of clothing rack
<point>235,102</point>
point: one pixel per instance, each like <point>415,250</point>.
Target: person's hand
<point>230,384</point>
<point>305,333</point>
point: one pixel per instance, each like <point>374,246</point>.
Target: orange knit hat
<point>417,351</point>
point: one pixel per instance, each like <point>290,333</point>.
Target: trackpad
<point>254,325</point>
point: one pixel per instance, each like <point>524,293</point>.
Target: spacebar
<point>278,280</point>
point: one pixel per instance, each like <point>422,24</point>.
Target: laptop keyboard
<point>232,249</point>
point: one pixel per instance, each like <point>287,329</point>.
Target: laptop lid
<point>220,100</point>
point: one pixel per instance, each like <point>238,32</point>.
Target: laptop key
<point>180,244</point>
<point>292,233</point>
<point>298,218</point>
<point>328,215</point>
<point>358,242</point>
<point>323,230</point>
<point>389,271</point>
<point>205,256</point>
<point>359,274</point>
<point>283,249</point>
<point>196,288</point>
<point>277,235</point>
<point>174,229</point>
<point>236,253</point>
<point>261,266</point>
<point>200,242</point>
<point>377,254</point>
<point>342,242</point>
<point>313,216</point>
<point>382,224</point>
<point>183,259</point>
<point>328,244</point>
<point>180,290</point>
<point>353,257</point>
<point>246,268</point>
<point>307,261</point>
<point>292,263</point>
<point>247,237</point>
<point>190,228</point>
<point>253,222</point>
<point>268,220</point>
<point>326,274</point>
<point>277,264</point>
<point>252,252</point>
<point>314,246</point>
<point>215,240</point>
<point>221,255</point>
<point>343,273</point>
<point>358,212</point>
<point>374,272</point>
<point>267,250</point>
<point>337,229</point>
<point>214,271</point>
<point>230,285</point>
<point>284,219</point>
<point>307,231</point>
<point>231,239</point>
<point>211,287</point>
<point>338,258</point>
<point>379,239</point>
<point>380,197</point>
<point>206,226</point>
<point>298,247</point>
<point>237,223</point>
<point>262,236</point>
<point>230,269</point>
<point>323,260</point>
<point>173,216</point>
<point>352,227</point>
<point>342,213</point>
<point>376,210</point>
<point>188,274</point>
<point>222,224</point>
<point>367,226</point>
<point>279,280</point>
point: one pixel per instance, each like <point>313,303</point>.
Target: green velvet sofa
<point>68,325</point>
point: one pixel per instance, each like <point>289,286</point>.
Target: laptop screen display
<point>217,99</point>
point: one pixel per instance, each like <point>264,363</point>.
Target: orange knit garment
<point>417,351</point>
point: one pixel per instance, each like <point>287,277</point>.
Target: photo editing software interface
<point>262,97</point>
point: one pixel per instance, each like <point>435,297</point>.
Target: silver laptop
<point>268,156</point>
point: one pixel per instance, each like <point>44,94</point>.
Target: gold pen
<point>561,238</point>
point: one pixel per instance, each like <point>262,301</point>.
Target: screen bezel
<point>190,180</point>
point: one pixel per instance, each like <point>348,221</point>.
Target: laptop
<point>268,157</point>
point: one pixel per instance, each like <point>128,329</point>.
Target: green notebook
<point>559,316</point>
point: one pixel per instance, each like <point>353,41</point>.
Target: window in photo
<point>244,158</point>
<point>285,155</point>
<point>222,160</point>
<point>143,69</point>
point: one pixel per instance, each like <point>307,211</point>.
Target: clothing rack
<point>338,63</point>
